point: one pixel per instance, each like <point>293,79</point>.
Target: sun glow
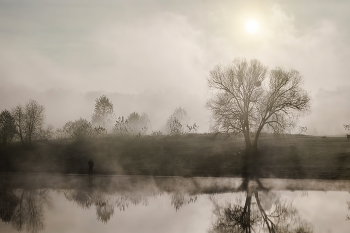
<point>251,26</point>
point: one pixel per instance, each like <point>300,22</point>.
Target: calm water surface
<point>53,203</point>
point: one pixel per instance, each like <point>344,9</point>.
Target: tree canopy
<point>177,121</point>
<point>103,113</point>
<point>246,101</point>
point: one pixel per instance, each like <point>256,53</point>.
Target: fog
<point>153,56</point>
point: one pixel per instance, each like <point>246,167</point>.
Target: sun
<point>251,26</point>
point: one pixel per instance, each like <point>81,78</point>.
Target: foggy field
<point>290,156</point>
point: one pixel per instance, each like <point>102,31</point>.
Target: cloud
<point>158,55</point>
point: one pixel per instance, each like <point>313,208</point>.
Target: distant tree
<point>29,121</point>
<point>157,133</point>
<point>99,131</point>
<point>34,119</point>
<point>176,128</point>
<point>78,129</point>
<point>103,114</point>
<point>19,115</point>
<point>347,127</point>
<point>244,101</point>
<point>121,126</point>
<point>134,124</point>
<point>7,127</point>
<point>60,133</point>
<point>138,124</point>
<point>176,122</point>
<point>46,133</point>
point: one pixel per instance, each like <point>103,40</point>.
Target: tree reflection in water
<point>24,208</point>
<point>259,211</point>
<point>254,210</point>
<point>180,199</point>
<point>105,202</point>
<point>86,198</point>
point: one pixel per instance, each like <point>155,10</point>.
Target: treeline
<point>26,124</point>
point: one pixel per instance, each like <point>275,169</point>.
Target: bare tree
<point>29,121</point>
<point>7,127</point>
<point>34,119</point>
<point>20,118</point>
<point>244,101</point>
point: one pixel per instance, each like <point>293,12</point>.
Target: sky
<point>154,55</point>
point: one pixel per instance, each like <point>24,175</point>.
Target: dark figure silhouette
<point>91,166</point>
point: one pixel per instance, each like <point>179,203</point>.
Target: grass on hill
<point>287,156</point>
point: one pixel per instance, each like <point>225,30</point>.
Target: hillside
<point>288,156</point>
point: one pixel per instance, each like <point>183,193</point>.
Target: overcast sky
<point>153,56</point>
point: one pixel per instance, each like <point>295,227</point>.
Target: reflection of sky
<point>157,216</point>
<point>326,211</point>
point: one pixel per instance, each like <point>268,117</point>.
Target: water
<point>55,203</point>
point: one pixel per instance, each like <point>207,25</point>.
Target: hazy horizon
<point>154,56</point>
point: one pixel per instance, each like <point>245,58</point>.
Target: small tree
<point>121,126</point>
<point>134,124</point>
<point>79,129</point>
<point>192,128</point>
<point>47,133</point>
<point>7,127</point>
<point>99,131</point>
<point>138,124</point>
<point>176,128</point>
<point>176,122</point>
<point>302,129</point>
<point>103,114</point>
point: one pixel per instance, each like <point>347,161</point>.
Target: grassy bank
<point>291,156</point>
